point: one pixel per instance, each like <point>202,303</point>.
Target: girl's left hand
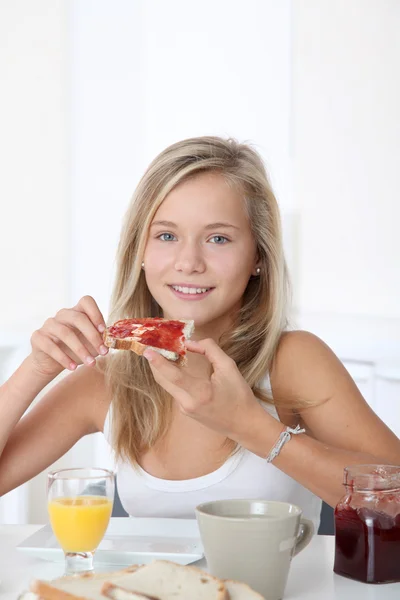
<point>222,401</point>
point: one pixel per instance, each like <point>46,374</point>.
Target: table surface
<point>311,576</point>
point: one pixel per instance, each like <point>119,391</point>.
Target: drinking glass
<point>80,503</point>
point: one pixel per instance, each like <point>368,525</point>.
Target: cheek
<point>155,257</point>
<point>235,267</point>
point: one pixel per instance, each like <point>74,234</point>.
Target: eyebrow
<point>210,226</point>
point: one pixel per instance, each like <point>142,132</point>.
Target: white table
<point>311,576</point>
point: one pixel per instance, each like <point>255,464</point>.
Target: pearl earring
<point>258,270</point>
<point>142,265</point>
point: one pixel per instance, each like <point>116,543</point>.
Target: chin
<point>203,316</point>
<point>200,320</point>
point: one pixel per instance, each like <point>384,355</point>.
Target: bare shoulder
<point>305,365</point>
<point>334,411</point>
<point>300,341</point>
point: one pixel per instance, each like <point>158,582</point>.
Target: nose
<point>189,258</point>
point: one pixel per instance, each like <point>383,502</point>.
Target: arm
<point>73,408</point>
<point>341,429</point>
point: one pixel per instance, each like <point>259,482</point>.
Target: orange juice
<point>79,523</point>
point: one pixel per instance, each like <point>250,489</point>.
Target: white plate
<point>130,541</point>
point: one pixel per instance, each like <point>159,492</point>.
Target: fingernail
<point>72,366</point>
<point>101,328</point>
<point>103,349</point>
<point>148,354</point>
<point>89,360</point>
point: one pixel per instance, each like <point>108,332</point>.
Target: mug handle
<point>306,531</point>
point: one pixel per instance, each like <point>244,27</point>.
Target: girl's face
<point>200,253</point>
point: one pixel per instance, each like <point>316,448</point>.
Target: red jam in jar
<point>367,524</point>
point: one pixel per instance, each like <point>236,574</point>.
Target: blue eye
<point>220,239</point>
<point>164,239</point>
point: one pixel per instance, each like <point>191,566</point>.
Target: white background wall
<point>93,90</point>
<point>346,132</point>
<point>165,71</point>
<point>34,182</point>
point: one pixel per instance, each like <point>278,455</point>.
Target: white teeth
<point>186,290</point>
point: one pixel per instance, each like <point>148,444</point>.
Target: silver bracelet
<point>284,437</point>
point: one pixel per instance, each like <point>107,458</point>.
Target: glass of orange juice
<point>80,502</point>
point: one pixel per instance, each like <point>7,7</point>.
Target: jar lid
<point>372,477</point>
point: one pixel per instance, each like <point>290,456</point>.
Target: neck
<point>213,330</point>
<point>197,363</point>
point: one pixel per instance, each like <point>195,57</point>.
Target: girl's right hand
<point>73,337</point>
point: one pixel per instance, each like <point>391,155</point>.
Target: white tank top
<point>243,475</point>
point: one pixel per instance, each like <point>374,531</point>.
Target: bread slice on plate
<point>235,589</point>
<point>159,580</point>
<point>162,335</point>
<point>76,587</point>
<point>241,591</point>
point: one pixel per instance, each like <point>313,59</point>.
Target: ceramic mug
<point>253,541</point>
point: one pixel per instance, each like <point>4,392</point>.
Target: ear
<point>257,264</point>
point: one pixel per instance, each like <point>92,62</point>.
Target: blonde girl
<point>201,240</point>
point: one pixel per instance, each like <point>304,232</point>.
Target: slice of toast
<point>161,335</point>
<point>77,587</point>
<point>159,580</point>
<point>116,592</point>
<point>236,591</point>
<point>241,591</point>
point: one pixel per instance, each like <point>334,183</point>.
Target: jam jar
<point>367,524</point>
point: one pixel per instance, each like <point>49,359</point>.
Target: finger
<point>195,347</point>
<point>45,344</point>
<point>169,387</point>
<point>72,355</point>
<point>217,357</point>
<point>190,393</point>
<point>88,305</point>
<point>81,322</point>
<point>185,402</point>
<point>68,352</point>
<point>165,368</point>
<point>94,351</point>
<point>68,336</point>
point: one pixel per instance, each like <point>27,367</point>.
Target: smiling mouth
<point>191,290</point>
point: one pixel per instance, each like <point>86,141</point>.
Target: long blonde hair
<point>141,409</point>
